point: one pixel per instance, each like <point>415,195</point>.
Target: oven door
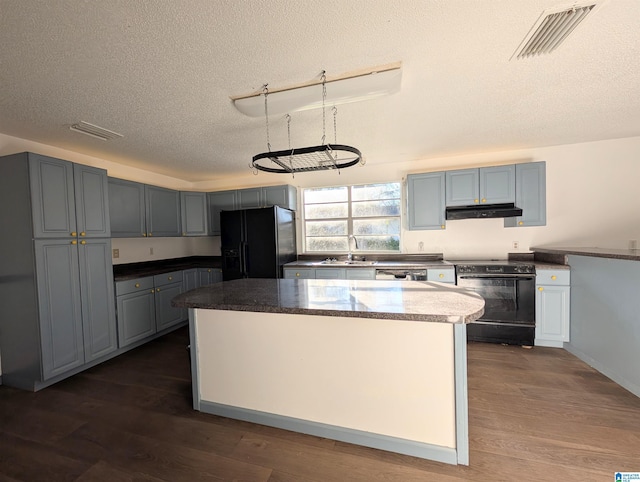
<point>509,312</point>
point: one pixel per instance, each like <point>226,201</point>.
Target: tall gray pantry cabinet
<point>56,284</point>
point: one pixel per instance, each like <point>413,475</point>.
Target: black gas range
<point>508,288</point>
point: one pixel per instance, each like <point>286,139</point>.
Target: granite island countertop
<point>396,300</point>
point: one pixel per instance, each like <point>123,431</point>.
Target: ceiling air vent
<point>551,29</point>
<point>95,131</point>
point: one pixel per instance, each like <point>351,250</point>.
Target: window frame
<point>350,218</point>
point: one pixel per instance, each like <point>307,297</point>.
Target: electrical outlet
<point>515,245</point>
<point>150,250</point>
<point>421,246</point>
<point>116,253</point>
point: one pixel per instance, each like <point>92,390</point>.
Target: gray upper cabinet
<point>486,185</point>
<point>126,208</point>
<point>220,201</point>
<point>284,196</point>
<point>250,198</point>
<point>531,195</point>
<point>53,197</point>
<point>194,213</point>
<point>162,212</point>
<point>91,202</point>
<point>56,292</point>
<point>426,201</point>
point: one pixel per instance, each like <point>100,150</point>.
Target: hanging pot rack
<point>306,159</point>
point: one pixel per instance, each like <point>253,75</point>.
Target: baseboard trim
<point>382,442</point>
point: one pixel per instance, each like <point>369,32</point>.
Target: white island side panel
<point>388,377</point>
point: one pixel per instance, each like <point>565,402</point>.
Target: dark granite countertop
<point>628,254</point>
<point>409,264</point>
<point>404,300</point>
<point>123,272</point>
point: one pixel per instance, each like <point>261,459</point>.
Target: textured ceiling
<point>161,73</point>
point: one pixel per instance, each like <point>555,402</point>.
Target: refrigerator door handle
<point>245,259</point>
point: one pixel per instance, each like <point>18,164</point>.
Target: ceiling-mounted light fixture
<point>94,131</point>
<point>316,158</point>
<point>366,84</point>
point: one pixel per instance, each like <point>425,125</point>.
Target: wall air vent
<point>95,131</point>
<point>551,29</point>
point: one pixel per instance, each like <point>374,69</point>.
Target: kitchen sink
<point>353,262</point>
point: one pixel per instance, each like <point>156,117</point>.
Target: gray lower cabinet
<point>426,201</point>
<point>299,273</point>
<point>168,286</point>
<point>207,276</point>
<point>135,300</point>
<point>442,275</point>
<point>553,301</point>
<point>329,273</point>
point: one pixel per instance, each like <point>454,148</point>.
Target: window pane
<point>327,244</point>
<point>326,228</point>
<point>376,208</point>
<point>320,211</point>
<point>379,243</point>
<point>376,226</point>
<point>389,190</point>
<point>326,195</point>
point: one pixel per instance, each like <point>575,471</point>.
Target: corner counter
<point>605,307</point>
<point>376,363</point>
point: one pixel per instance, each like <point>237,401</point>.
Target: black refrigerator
<point>256,243</point>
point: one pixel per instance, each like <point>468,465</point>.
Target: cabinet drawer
<point>553,277</point>
<point>166,278</point>
<point>442,275</point>
<point>330,273</point>
<point>133,285</point>
<point>303,273</point>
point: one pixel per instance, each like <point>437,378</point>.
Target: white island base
<point>389,384</point>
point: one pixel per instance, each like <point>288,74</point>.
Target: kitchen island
<point>375,363</point>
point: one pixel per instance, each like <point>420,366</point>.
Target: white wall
<point>591,199</point>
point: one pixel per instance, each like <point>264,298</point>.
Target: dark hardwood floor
<point>535,415</point>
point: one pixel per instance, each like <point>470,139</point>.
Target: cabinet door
<point>191,279</point>
<point>463,187</point>
<point>52,197</point>
<point>167,315</point>
<point>209,276</point>
<point>59,306</point>
<point>552,314</point>
<point>194,213</point>
<point>531,195</point>
<point>219,201</point>
<point>302,273</point>
<point>163,212</point>
<point>498,184</point>
<point>250,198</point>
<point>330,273</point>
<point>441,275</point>
<point>98,308</point>
<point>136,316</point>
<point>360,273</point>
<point>92,205</point>
<point>283,196</point>
<point>425,200</point>
<point>126,208</point>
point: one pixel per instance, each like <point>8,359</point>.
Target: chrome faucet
<point>350,253</point>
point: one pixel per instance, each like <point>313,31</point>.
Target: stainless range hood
<point>507,210</point>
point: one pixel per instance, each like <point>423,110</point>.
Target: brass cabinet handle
<point>83,242</point>
<point>554,277</point>
<point>520,223</point>
<point>170,278</point>
<point>152,290</point>
<point>297,274</point>
<point>150,234</point>
<point>137,285</point>
<point>208,271</point>
<point>484,200</point>
<point>540,288</point>
<point>74,242</point>
<point>144,235</point>
<point>475,201</point>
<point>83,233</point>
<point>158,290</point>
<point>442,226</point>
<point>73,233</point>
<point>441,275</point>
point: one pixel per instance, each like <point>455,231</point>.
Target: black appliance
<point>508,289</point>
<point>256,243</point>
<point>505,210</point>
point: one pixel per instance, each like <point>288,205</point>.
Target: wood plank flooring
<point>534,415</point>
